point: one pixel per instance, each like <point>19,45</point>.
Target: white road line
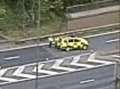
<point>82,65</point>
<point>11,58</point>
<point>24,47</point>
<point>87,81</point>
<point>40,70</point>
<point>100,61</point>
<point>96,35</point>
<point>57,66</point>
<point>77,56</point>
<point>75,62</point>
<point>19,71</point>
<point>92,58</point>
<point>2,72</point>
<point>8,79</point>
<point>43,44</point>
<point>114,40</point>
<point>84,54</point>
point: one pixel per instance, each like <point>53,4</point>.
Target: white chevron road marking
<point>40,70</point>
<point>2,72</point>
<point>75,62</point>
<point>92,58</point>
<point>19,71</point>
<point>57,66</point>
<point>101,61</point>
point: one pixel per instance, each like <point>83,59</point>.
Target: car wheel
<point>67,49</point>
<point>84,47</point>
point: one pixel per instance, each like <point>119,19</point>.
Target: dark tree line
<point>31,12</point>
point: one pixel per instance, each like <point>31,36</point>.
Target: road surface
<point>98,42</point>
<point>49,68</point>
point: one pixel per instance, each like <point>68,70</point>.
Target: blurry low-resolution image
<point>59,44</point>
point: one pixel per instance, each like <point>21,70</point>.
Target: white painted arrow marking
<point>57,66</point>
<point>2,72</point>
<point>40,70</point>
<point>19,71</point>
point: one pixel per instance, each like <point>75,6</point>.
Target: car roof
<point>79,38</point>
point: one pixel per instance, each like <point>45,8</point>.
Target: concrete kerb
<point>44,44</point>
<point>36,39</point>
<point>24,47</point>
<point>91,13</point>
<point>103,53</point>
<point>107,55</point>
<point>57,34</point>
<point>112,26</point>
<point>96,35</point>
<point>98,3</point>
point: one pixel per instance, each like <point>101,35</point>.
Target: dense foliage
<point>28,9</point>
<point>22,15</point>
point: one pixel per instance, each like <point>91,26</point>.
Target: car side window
<point>82,43</point>
<point>76,40</point>
<point>65,41</point>
<point>71,40</point>
<point>60,40</point>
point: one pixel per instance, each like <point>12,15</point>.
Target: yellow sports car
<point>70,43</point>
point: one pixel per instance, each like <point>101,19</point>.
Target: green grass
<point>14,28</point>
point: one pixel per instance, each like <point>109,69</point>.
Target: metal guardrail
<point>83,32</point>
<point>92,5</point>
<point>78,31</point>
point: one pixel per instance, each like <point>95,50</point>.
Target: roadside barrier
<point>78,31</point>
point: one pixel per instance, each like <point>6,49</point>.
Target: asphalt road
<point>49,68</point>
<point>105,42</point>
